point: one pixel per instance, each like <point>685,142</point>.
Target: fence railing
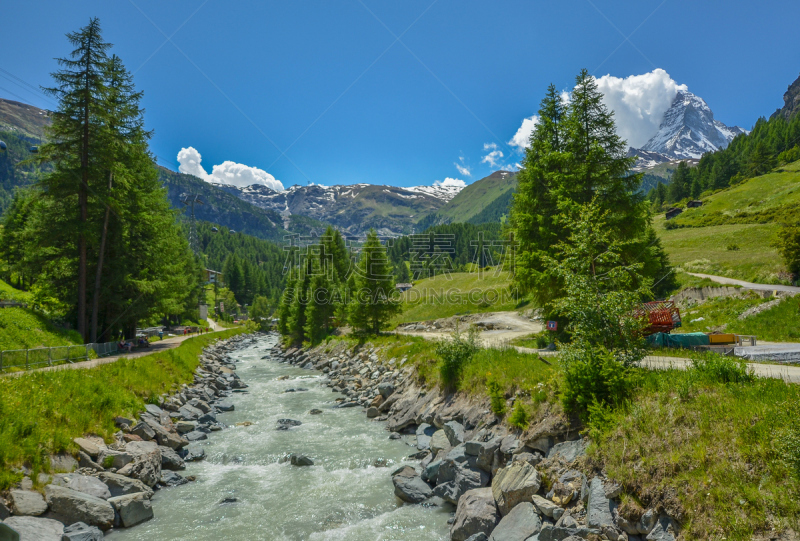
<point>28,359</point>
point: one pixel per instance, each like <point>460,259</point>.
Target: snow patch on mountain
<point>689,129</point>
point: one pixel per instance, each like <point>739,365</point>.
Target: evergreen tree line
<point>449,247</point>
<point>576,159</point>
<point>14,174</point>
<point>772,143</point>
<point>95,238</point>
<point>251,267</point>
<point>327,287</point>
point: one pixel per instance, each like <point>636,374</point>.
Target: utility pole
<point>190,200</point>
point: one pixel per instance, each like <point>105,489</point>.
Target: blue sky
<point>346,91</point>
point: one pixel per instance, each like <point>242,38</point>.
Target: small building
<point>213,277</point>
<point>694,204</point>
<point>404,287</point>
<point>674,211</point>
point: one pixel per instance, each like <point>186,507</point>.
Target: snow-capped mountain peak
<point>689,129</point>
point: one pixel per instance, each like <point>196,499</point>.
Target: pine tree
<point>297,314</point>
<point>74,149</point>
<point>374,300</point>
<point>680,183</point>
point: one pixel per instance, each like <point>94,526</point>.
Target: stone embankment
<point>110,485</point>
<point>504,485</point>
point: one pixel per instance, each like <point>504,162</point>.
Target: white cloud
<point>493,158</point>
<point>639,102</point>
<point>463,169</point>
<point>522,139</point>
<point>232,173</point>
<point>450,183</point>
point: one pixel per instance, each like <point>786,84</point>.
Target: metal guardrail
<point>27,359</point>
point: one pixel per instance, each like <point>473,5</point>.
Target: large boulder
<point>36,528</point>
<point>518,525</point>
<point>170,459</point>
<point>454,432</point>
<point>486,453</point>
<point>665,529</point>
<point>27,503</point>
<point>83,483</point>
<point>166,438</point>
<point>114,458</point>
<point>91,446</point>
<point>464,481</point>
<point>424,433</point>
<point>439,442</point>
<point>544,506</point>
<point>133,509</point>
<point>476,513</point>
<point>515,483</point>
<point>409,486</point>
<point>146,465</point>
<point>599,509</point>
<point>82,532</point>
<point>119,485</point>
<point>74,506</point>
<point>568,450</point>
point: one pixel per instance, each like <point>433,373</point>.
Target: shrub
<point>720,369</point>
<point>455,353</point>
<point>594,376</point>
<point>732,247</point>
<point>495,392</point>
<point>519,417</point>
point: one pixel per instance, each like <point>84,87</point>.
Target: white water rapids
<point>344,496</point>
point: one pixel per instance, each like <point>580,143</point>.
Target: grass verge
<point>781,323</point>
<point>41,412</point>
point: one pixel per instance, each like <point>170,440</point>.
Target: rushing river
<point>344,496</point>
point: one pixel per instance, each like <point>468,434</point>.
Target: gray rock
<point>647,522</point>
<point>146,465</point>
<point>144,431</point>
<point>424,433</point>
<point>454,432</point>
<point>486,454</point>
<point>184,427</point>
<point>74,506</point>
<point>82,532</point>
<point>35,528</point>
<point>599,508</point>
<point>473,448</point>
<point>431,470</point>
<point>225,405</point>
<point>63,463</point>
<point>90,446</point>
<point>133,509</point>
<point>112,458</point>
<point>476,513</point>
<point>300,460</point>
<point>568,450</point>
<point>409,486</point>
<point>439,441</point>
<point>85,461</point>
<point>194,452</point>
<point>509,444</point>
<point>567,521</point>
<point>4,512</point>
<point>385,389</point>
<point>464,481</point>
<point>83,483</point>
<point>544,506</point>
<point>557,533</point>
<point>515,483</point>
<point>208,418</point>
<point>665,529</point>
<point>170,459</point>
<point>172,479</point>
<point>612,490</point>
<point>153,410</point>
<point>521,523</point>
<point>196,435</point>
<point>480,536</point>
<point>373,412</point>
<point>189,413</point>
<point>27,503</point>
<point>119,485</point>
<point>531,458</point>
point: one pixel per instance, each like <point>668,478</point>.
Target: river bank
<point>110,485</point>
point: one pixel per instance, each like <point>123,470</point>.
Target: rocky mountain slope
<point>687,131</point>
<point>791,101</point>
<point>354,209</point>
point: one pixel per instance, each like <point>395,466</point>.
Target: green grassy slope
<point>23,328</point>
<point>477,196</point>
<point>732,233</point>
<point>463,293</point>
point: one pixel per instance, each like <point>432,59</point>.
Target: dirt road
<point>497,328</point>
<point>746,285</point>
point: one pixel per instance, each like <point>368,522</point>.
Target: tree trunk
<point>98,275</point>
<point>83,203</point>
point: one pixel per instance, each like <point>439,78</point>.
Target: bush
<point>519,417</point>
<point>733,247</point>
<point>455,353</point>
<point>596,377</point>
<point>720,369</point>
<point>498,400</point>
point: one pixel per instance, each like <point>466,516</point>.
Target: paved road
<point>747,285</point>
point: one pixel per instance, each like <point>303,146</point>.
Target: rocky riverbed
<point>109,486</point>
<point>503,485</point>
